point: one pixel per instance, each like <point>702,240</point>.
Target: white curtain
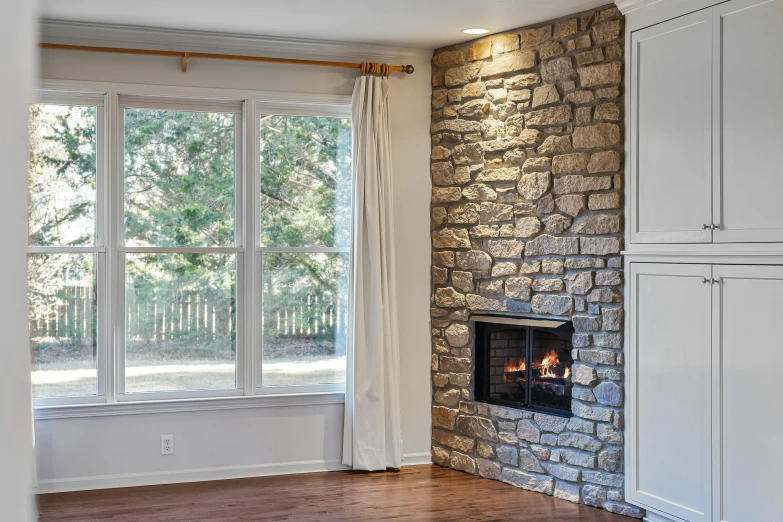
<point>371,439</point>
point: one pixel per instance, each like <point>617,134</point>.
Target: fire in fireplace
<point>524,363</point>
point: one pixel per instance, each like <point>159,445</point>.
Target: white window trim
<point>112,401</point>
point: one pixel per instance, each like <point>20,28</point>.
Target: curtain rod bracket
<point>185,62</point>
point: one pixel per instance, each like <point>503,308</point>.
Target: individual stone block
<point>462,462</point>
<point>569,163</point>
<point>529,462</point>
<point>479,50</point>
<point>505,43</point>
<point>588,57</point>
<point>506,174</point>
<point>449,397</point>
<point>622,508</point>
<point>601,74</point>
<point>461,126</point>
<point>605,201</point>
<point>444,258</point>
<point>550,50</point>
<point>488,469</point>
<point>527,227</point>
<point>595,136</point>
<point>448,58</point>
<point>553,304</point>
<point>552,266</point>
<point>532,186</point>
<point>609,393</point>
<point>503,269</point>
<point>443,417</point>
<point>597,224</point>
<point>440,153</point>
<point>474,109</point>
<point>578,458</point>
<point>556,224</point>
<point>612,319</point>
<point>566,28</point>
<point>596,413</point>
<point>466,214</point>
<point>505,248</point>
<point>579,441</point>
<point>600,246</point>
<point>529,481</point>
<point>439,98</point>
<point>493,213</point>
<point>536,35</point>
<point>477,427</point>
<point>603,479</point>
<point>449,298</point>
<point>528,431</point>
<point>555,144</point>
<point>607,31</point>
<point>450,238</point>
<point>576,183</point>
<point>540,164</point>
<point>458,335</point>
<point>567,491</point>
<point>545,95</point>
<point>555,115</point>
<point>608,112</point>
<point>474,260</point>
<point>557,70</point>
<point>440,456</point>
<point>562,472</point>
<point>530,267</point>
<point>593,495</point>
<point>548,285</point>
<point>604,295</point>
<point>438,216</point>
<point>463,74</point>
<point>468,154</point>
<point>479,192</point>
<point>608,278</point>
<point>522,81</point>
<point>547,245</point>
<point>507,63</point>
<point>583,374</point>
<point>579,283</point>
<point>609,434</point>
<point>508,455</point>
<point>446,195</point>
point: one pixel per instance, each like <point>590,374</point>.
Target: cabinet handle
<point>705,280</point>
<point>711,227</point>
<point>705,227</point>
<point>715,281</point>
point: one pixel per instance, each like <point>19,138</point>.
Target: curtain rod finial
<point>408,69</point>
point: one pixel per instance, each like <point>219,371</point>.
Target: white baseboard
<point>416,459</point>
<point>128,480</point>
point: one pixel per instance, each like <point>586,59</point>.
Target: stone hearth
<point>526,217</point>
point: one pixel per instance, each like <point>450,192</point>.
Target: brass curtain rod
<point>365,67</point>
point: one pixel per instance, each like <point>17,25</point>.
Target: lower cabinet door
<point>748,421</point>
<point>669,387</point>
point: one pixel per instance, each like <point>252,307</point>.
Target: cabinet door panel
<point>669,389</point>
<point>748,134</point>
<point>671,131</point>
<point>749,426</point>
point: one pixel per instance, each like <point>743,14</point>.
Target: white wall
<point>17,59</point>
<point>117,450</point>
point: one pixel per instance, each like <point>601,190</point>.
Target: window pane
<point>305,181</point>
<point>305,311</point>
<point>62,313</point>
<point>62,175</point>
<point>180,317</point>
<point>179,178</point>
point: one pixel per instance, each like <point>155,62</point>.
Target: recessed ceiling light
<point>476,30</point>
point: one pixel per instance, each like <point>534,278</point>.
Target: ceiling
<point>426,24</point>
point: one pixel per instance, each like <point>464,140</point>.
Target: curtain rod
<point>365,67</point>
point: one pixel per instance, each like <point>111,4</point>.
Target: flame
<point>518,366</point>
<point>567,373</point>
<point>551,359</point>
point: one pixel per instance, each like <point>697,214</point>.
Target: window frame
<point>110,249</point>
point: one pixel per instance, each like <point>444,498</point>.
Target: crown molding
<point>108,35</point>
<point>626,6</point>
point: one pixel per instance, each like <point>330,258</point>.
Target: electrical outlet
<point>167,444</point>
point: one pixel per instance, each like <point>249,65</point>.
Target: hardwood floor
<point>416,493</point>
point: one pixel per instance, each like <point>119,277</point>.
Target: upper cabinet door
<point>671,131</point>
<point>749,132</point>
<point>748,421</point>
<point>669,389</point>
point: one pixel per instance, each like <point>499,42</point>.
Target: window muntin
<point>305,208</point>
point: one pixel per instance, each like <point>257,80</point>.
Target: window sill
<point>185,405</point>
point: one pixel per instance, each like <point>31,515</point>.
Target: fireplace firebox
<point>524,363</point>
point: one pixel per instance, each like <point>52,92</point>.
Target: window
<point>167,262</point>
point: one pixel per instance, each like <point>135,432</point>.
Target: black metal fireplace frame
<point>483,331</point>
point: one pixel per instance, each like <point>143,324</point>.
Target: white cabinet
<point>704,356</point>
<point>748,423</point>
<point>671,137</point>
<point>670,389</point>
<point>749,111</point>
<point>704,125</point>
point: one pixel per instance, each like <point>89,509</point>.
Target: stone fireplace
<point>526,219</point>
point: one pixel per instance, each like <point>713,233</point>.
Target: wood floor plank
<point>418,493</point>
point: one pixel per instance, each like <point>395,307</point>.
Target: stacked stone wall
<point>526,217</point>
